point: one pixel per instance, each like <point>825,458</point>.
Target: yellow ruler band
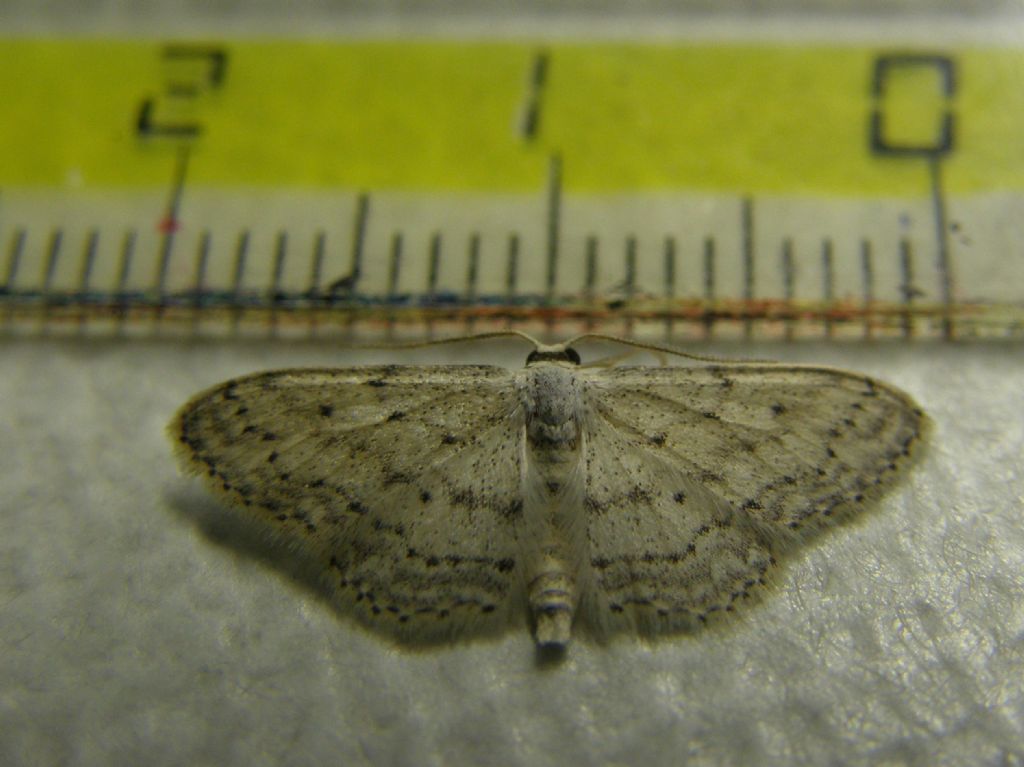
<point>452,116</point>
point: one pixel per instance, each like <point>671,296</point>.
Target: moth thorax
<point>552,401</point>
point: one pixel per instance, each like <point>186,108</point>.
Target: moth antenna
<point>453,340</point>
<point>663,349</point>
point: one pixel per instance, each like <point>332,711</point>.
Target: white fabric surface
<point>142,624</point>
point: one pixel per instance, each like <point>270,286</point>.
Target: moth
<point>451,501</point>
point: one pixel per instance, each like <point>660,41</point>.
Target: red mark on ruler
<point>168,224</point>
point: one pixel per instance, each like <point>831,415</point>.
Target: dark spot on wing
<point>514,509</point>
<point>397,478</point>
<point>425,496</point>
<point>326,410</point>
<point>464,498</point>
<point>679,497</point>
<point>639,494</point>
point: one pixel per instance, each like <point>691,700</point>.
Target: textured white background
<point>141,623</point>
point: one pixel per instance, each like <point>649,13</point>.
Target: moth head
<point>554,354</point>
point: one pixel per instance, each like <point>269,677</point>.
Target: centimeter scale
<point>681,189</point>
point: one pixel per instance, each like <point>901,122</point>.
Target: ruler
<point>673,188</point>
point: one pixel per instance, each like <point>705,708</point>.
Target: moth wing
<point>697,477</point>
<point>403,481</point>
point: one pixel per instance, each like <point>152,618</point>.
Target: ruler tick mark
<point>512,271</point>
<point>14,252</point>
<point>553,223</point>
<point>168,226</point>
<point>630,281</point>
<point>473,268</point>
<point>202,258</point>
<point>747,234</point>
<point>50,268</point>
<point>85,275</point>
<point>122,300</point>
<point>788,283</point>
<point>315,275</point>
<point>868,281</point>
<point>280,253</point>
<point>393,272</point>
<point>52,254</point>
<point>434,266</point>
<point>590,277</point>
<point>943,260</point>
<point>395,266</point>
<point>828,286</point>
<point>276,296</point>
<point>88,260</point>
<point>907,288</point>
<point>317,266</point>
<point>241,252</point>
<point>433,270</point>
<point>347,284</point>
<point>199,283</point>
<point>670,285</point>
<point>709,286</point>
<point>472,272</point>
